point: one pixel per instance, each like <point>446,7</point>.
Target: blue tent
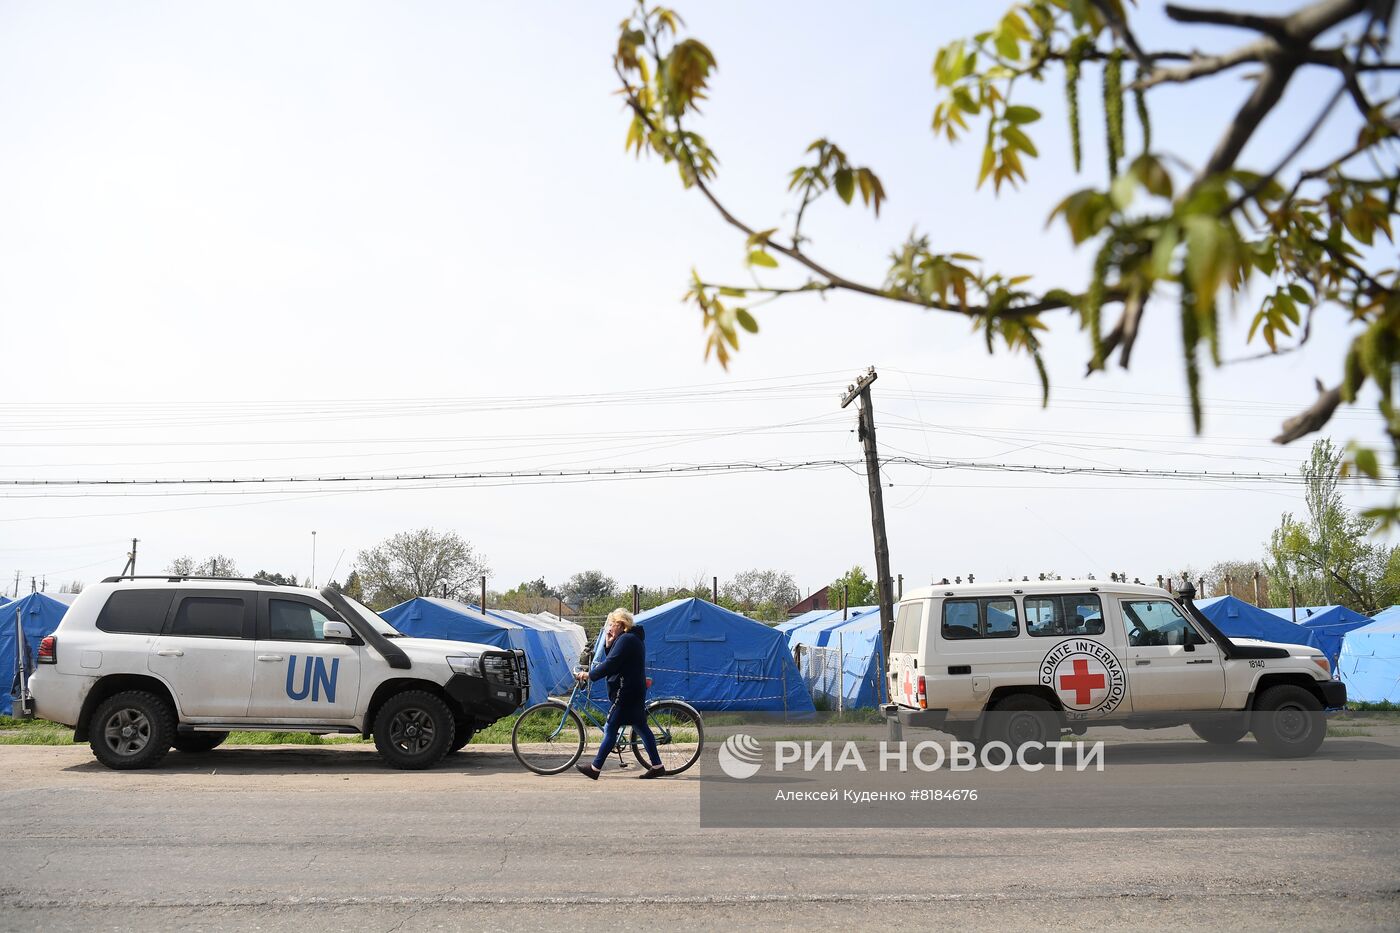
<point>1370,661</point>
<point>715,659</point>
<point>1329,623</point>
<point>546,646</point>
<point>40,614</point>
<point>431,617</point>
<point>857,636</point>
<point>1239,619</point>
<point>798,621</point>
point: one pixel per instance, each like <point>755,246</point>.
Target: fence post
<point>840,673</point>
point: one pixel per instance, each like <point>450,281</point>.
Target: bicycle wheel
<point>679,735</point>
<point>547,738</point>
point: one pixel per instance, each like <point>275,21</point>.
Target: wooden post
<point>1258,600</point>
<point>483,592</point>
<point>1293,602</point>
<point>636,600</point>
<point>714,586</point>
<point>884,587</point>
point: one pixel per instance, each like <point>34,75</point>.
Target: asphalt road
<point>326,838</point>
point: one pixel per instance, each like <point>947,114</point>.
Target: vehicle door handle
<point>1200,661</point>
<point>170,653</point>
<point>1142,661</point>
<point>270,657</point>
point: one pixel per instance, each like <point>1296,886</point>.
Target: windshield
<point>372,618</point>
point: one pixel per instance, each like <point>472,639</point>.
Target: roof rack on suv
<point>177,577</point>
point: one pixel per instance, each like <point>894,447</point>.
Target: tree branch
<point>836,281</point>
<point>1317,414</point>
<point>1124,34</point>
<point>1199,66</point>
<point>1271,26</point>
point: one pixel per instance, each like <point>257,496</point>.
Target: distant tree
<point>75,586</point>
<point>279,579</point>
<point>588,586</point>
<point>858,588</point>
<point>762,594</point>
<point>1236,578</point>
<point>1328,558</point>
<point>216,566</point>
<point>353,588</point>
<point>418,563</point>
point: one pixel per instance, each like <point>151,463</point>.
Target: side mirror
<point>337,631</point>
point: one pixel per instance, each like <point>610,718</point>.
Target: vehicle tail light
<point>923,694</point>
<point>48,650</point>
<point>648,683</point>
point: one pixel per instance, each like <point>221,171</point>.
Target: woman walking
<point>625,671</point>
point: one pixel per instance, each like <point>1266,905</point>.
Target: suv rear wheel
<point>413,730</point>
<point>194,743</point>
<point>1288,721</point>
<point>130,730</point>
<point>1021,718</point>
<point>1221,731</point>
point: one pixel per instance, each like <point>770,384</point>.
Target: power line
<point>725,468</point>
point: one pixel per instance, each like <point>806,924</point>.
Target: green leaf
<point>759,258</point>
<point>1020,140</point>
<point>761,237</point>
<point>989,159</point>
<point>746,320</point>
<point>1153,176</point>
<point>845,184</point>
<point>730,292</point>
<point>1367,462</point>
<point>1163,250</point>
<point>1021,115</point>
<point>1121,191</point>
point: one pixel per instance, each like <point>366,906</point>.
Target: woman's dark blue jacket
<point>625,669</point>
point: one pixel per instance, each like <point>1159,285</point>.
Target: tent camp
<point>1329,623</point>
<point>431,617</point>
<point>39,614</point>
<point>573,632</point>
<point>715,659</point>
<point>1239,619</point>
<point>853,643</point>
<point>1370,660</point>
<point>554,649</point>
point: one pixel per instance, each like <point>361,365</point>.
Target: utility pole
<point>636,600</point>
<point>714,587</point>
<point>483,592</point>
<point>313,560</point>
<point>860,389</point>
<point>130,569</point>
<point>16,592</point>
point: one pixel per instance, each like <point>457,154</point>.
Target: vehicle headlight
<point>1324,664</point>
<point>465,664</point>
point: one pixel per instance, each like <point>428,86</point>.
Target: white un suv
<point>142,664</point>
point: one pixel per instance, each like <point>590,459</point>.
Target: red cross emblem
<point>1082,683</point>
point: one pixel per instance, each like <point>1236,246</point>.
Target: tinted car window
<point>291,620</point>
<point>136,612</point>
<point>209,616</point>
<point>1074,614</point>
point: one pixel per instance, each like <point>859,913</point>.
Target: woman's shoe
<point>656,772</point>
<point>588,771</point>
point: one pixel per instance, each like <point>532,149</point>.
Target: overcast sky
<point>315,239</point>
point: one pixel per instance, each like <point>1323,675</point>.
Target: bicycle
<point>549,737</point>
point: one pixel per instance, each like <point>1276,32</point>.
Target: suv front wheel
<point>1288,721</point>
<point>132,729</point>
<point>414,730</point>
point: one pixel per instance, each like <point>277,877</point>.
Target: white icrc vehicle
<point>139,665</point>
<point>1022,662</point>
